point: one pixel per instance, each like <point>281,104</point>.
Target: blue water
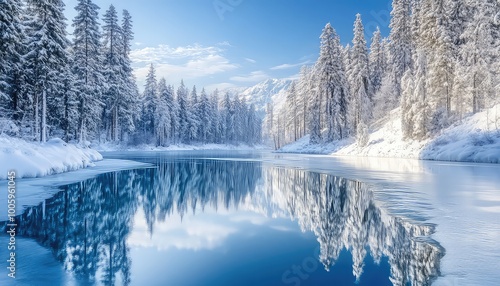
<point>221,219</point>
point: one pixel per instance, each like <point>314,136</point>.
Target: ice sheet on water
<point>32,191</point>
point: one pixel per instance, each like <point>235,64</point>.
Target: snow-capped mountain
<point>264,92</point>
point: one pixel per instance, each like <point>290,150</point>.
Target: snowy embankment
<point>474,139</point>
<point>30,159</point>
<point>109,147</point>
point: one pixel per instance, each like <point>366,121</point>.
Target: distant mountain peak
<point>269,90</point>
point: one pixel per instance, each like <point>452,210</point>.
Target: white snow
<point>270,90</point>
<point>31,191</point>
<point>108,147</point>
<point>475,139</point>
<point>30,159</point>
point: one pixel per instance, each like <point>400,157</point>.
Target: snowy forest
<point>83,89</point>
<point>439,63</point>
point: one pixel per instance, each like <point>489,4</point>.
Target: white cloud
<point>193,232</point>
<point>289,66</point>
<point>254,76</point>
<point>252,61</point>
<point>176,63</point>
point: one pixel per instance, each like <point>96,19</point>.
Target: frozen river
<point>257,218</point>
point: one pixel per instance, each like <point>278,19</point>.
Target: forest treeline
<point>439,63</point>
<point>84,89</point>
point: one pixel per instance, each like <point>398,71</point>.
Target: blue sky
<point>230,43</point>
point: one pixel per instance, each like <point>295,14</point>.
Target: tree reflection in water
<point>86,224</point>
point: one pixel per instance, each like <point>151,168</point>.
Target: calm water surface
<point>226,219</point>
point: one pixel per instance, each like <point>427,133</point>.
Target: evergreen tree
<point>150,101</point>
<point>214,131</point>
<point>332,83</point>
<point>130,108</point>
<point>480,56</point>
<point>314,105</point>
<point>86,67</point>
<point>377,60</point>
<point>193,118</point>
<point>46,62</point>
<point>303,92</point>
<point>205,118</point>
<point>400,43</point>
<point>68,111</point>
<point>113,59</point>
<point>291,114</point>
<point>360,83</point>
<point>163,113</point>
<point>228,120</point>
<point>183,116</point>
<point>12,102</point>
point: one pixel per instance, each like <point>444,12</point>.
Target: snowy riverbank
<point>110,147</point>
<point>474,139</point>
<point>31,159</point>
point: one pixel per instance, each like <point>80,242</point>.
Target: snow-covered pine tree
<point>332,83</point>
<point>204,117</point>
<point>87,68</point>
<point>46,61</point>
<point>254,126</point>
<point>127,33</point>
<point>383,100</point>
<point>162,115</point>
<point>314,120</point>
<point>269,122</point>
<point>480,55</point>
<point>168,95</point>
<point>193,118</point>
<point>228,119</point>
<point>183,115</point>
<point>400,44</point>
<point>12,103</point>
<point>214,133</point>
<point>113,73</point>
<point>291,113</point>
<point>68,107</point>
<point>237,112</point>
<point>314,104</point>
<point>419,111</point>
<point>407,96</point>
<point>377,60</point>
<point>435,39</point>
<point>360,84</point>
<point>130,93</point>
<point>174,114</point>
<point>150,100</point>
<point>303,93</point>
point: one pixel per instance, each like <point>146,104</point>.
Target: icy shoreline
<point>475,139</point>
<point>110,147</point>
<point>31,159</point>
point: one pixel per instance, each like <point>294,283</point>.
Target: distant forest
<point>84,89</point>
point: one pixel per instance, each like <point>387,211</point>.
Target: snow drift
<point>474,139</point>
<point>30,159</point>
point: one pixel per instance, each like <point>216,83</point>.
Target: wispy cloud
<point>252,61</point>
<point>176,63</point>
<point>289,66</point>
<point>254,76</point>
